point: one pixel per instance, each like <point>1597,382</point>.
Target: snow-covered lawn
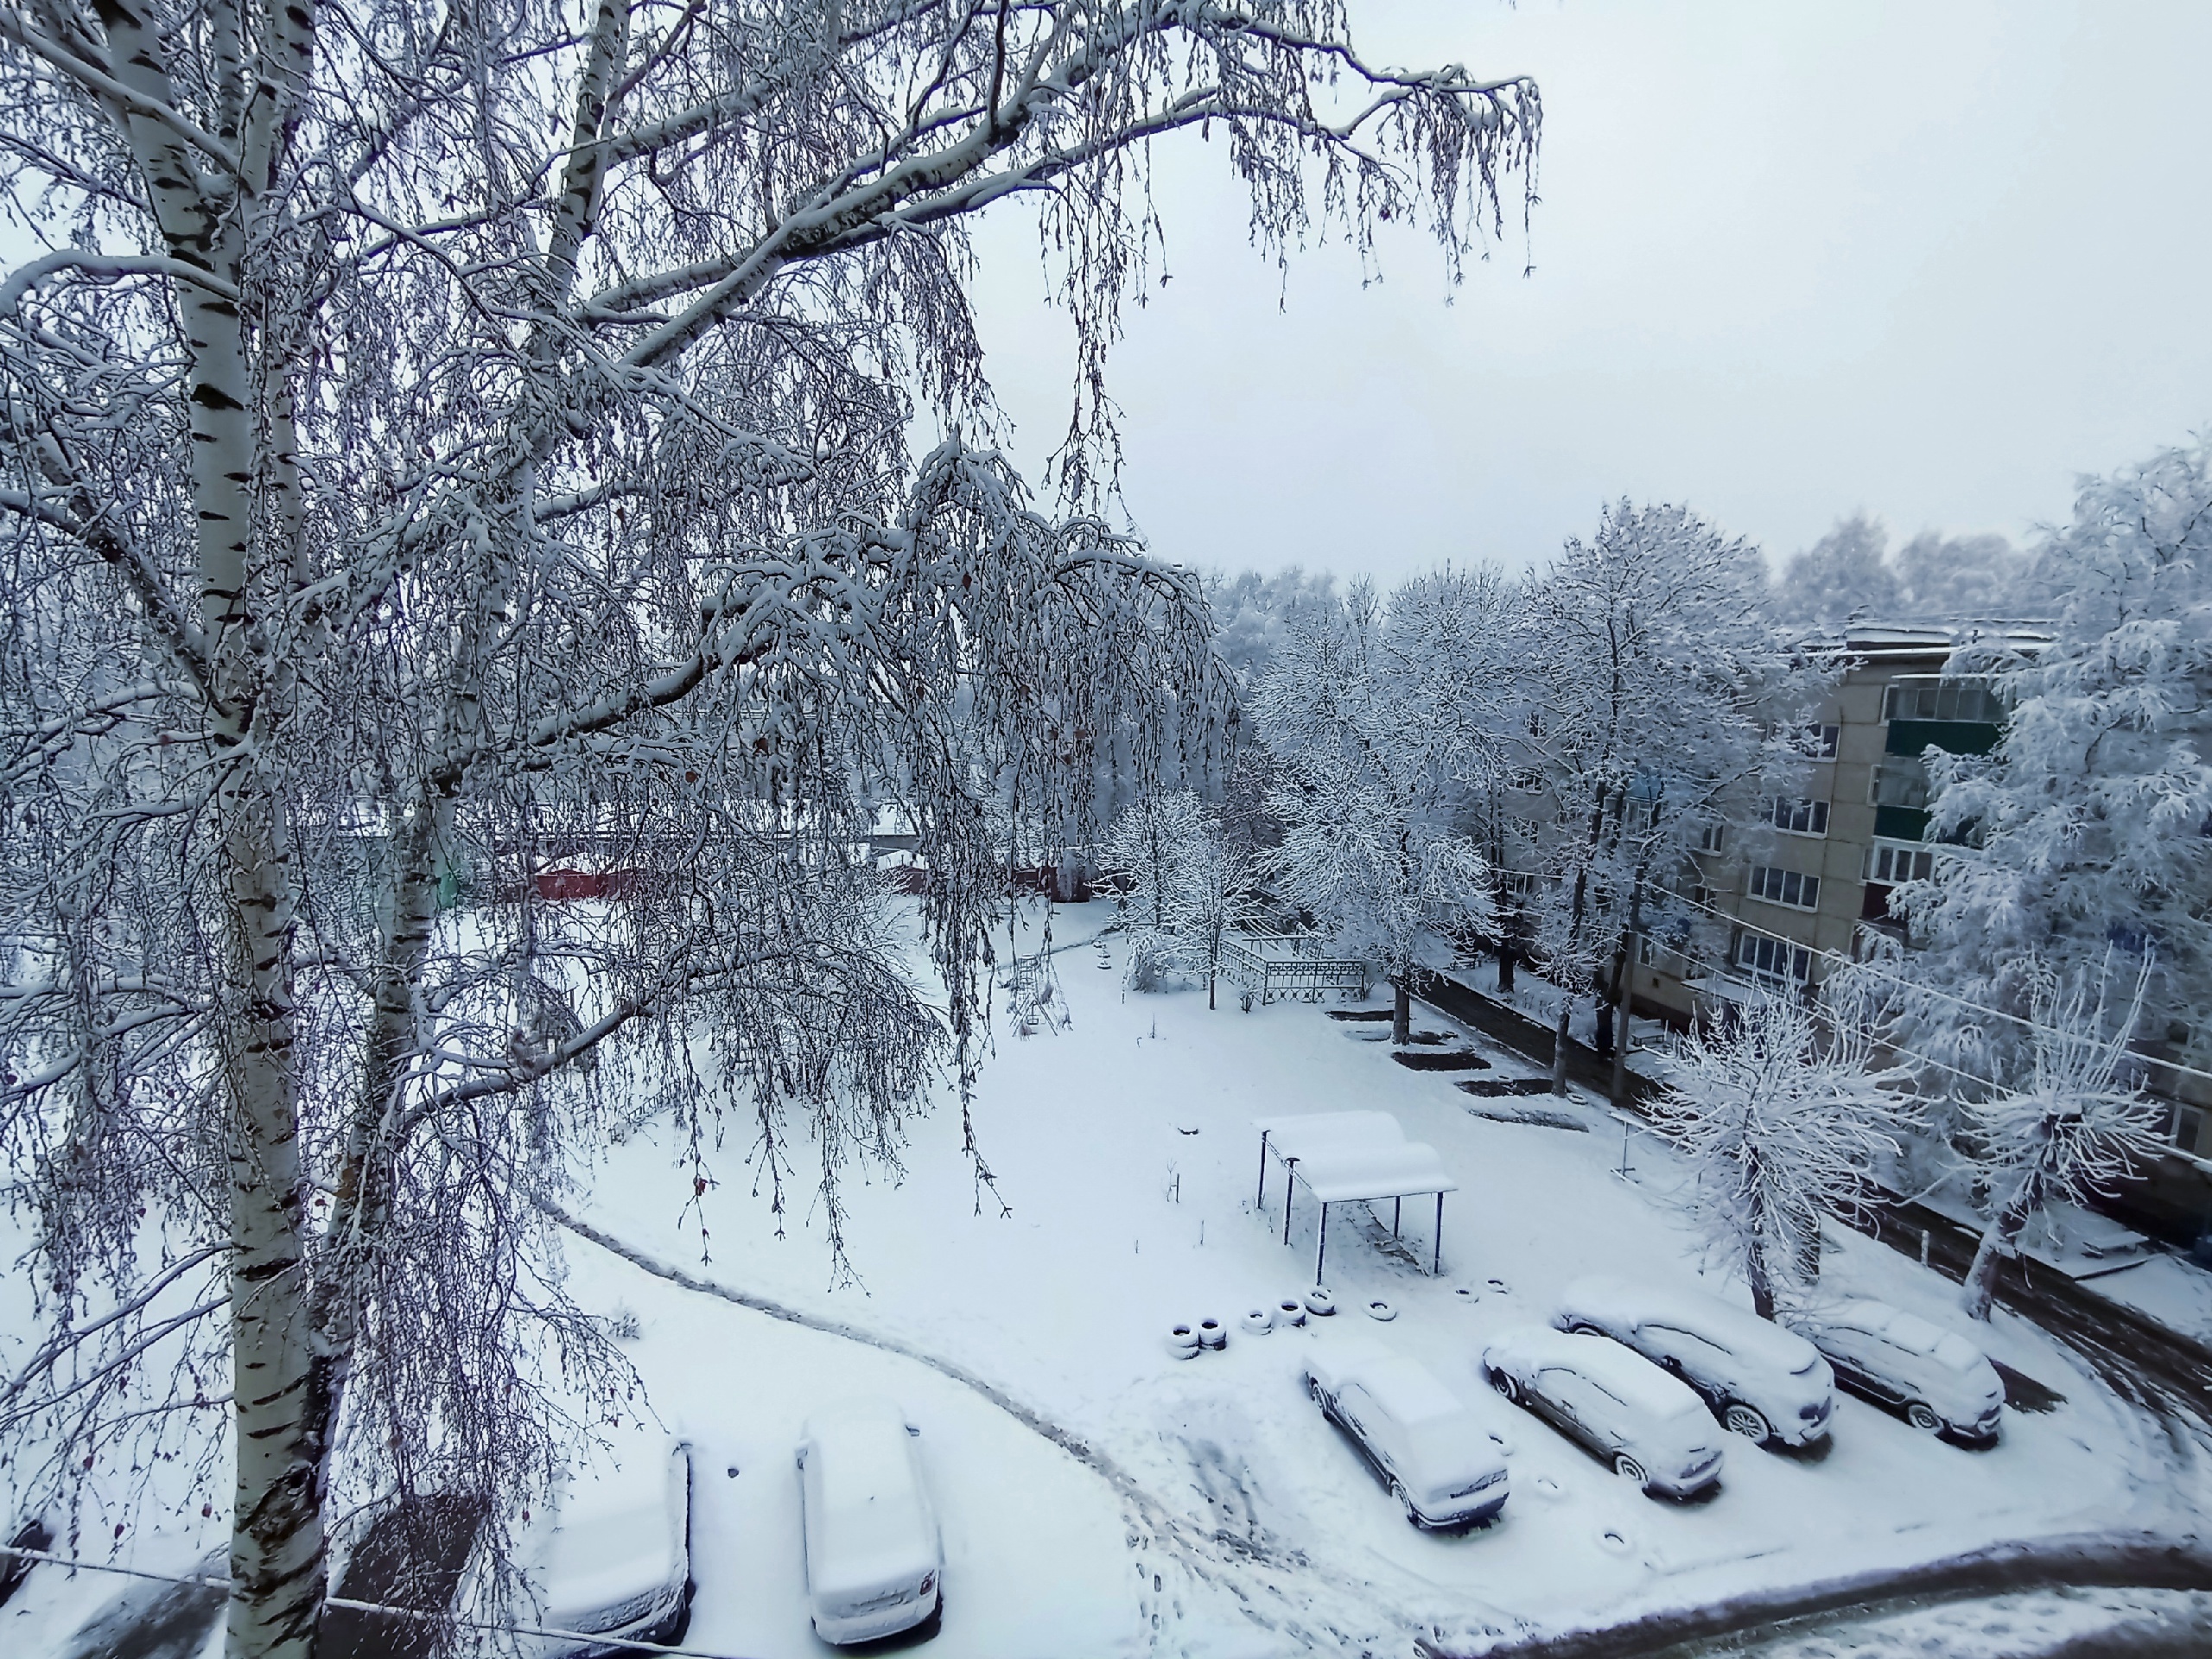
<point>1124,1148</point>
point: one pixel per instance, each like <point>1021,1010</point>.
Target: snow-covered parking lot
<point>1242,1523</point>
<point>1124,1148</point>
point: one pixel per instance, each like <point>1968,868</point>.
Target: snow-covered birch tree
<point>1666,700</point>
<point>1375,720</point>
<point>441,442</point>
<point>2073,1128</point>
<point>1784,1119</point>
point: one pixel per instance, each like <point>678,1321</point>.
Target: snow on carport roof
<point>1345,1157</point>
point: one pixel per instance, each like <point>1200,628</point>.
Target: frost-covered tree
<point>1251,611</point>
<point>439,442</point>
<point>1850,574</point>
<point>1663,699</point>
<point>2072,1129</point>
<point>2086,829</point>
<point>1184,885</point>
<point>1784,1121</point>
<point>1379,742</point>
<point>1846,573</point>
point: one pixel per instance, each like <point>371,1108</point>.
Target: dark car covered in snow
<point>1941,1382</point>
<point>1763,1382</point>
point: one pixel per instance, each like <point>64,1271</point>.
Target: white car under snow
<point>1651,1428</point>
<point>1763,1382</point>
<point>607,1554</point>
<point>1941,1382</point>
<point>1439,1463</point>
<point>875,1562</point>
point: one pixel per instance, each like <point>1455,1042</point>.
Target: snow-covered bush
<point>1783,1122</point>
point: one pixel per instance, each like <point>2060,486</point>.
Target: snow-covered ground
<point>1244,1523</point>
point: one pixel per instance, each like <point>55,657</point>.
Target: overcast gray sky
<point>1932,260</point>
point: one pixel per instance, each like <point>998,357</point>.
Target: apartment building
<point>1798,886</point>
<point>1804,883</point>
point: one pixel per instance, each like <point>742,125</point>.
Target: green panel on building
<point>1900,822</point>
<point>1952,736</point>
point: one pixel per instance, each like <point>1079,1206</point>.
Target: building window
<point>1817,742</point>
<point>1710,836</point>
<point>1930,698</point>
<point>1785,887</point>
<point>1776,960</point>
<point>1896,862</point>
<point>2186,1128</point>
<point>1798,817</point>
<point>1901,783</point>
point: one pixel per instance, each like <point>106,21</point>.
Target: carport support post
<point>1321,1249</point>
<point>1264,1170</point>
<point>1290,1191</point>
<point>1397,1214</point>
<point>1436,1264</point>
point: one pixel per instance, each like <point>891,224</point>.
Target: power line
<point>595,1639</point>
<point>1918,989</point>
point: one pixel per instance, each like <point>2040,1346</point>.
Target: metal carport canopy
<point>1352,1157</point>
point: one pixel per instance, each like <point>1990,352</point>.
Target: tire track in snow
<point>1221,1559</point>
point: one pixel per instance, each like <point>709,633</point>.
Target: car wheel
<point>1257,1321</point>
<point>1506,1386</point>
<point>1398,1491</point>
<point>1582,1328</point>
<point>1748,1421</point>
<point>1922,1417</point>
<point>1379,1309</point>
<point>1210,1335</point>
<point>1320,1303</point>
<point>1181,1343</point>
<point>1629,1470</point>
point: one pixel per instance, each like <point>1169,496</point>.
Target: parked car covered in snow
<point>1763,1382</point>
<point>875,1562</point>
<point>1941,1382</point>
<point>606,1557</point>
<point>1424,1445</point>
<point>1652,1428</point>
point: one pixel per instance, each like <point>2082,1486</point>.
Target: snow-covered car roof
<point>1622,1371</point>
<point>1908,1331</point>
<point>1402,1386</point>
<point>1628,1301</point>
<point>873,1515</point>
<point>613,1529</point>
